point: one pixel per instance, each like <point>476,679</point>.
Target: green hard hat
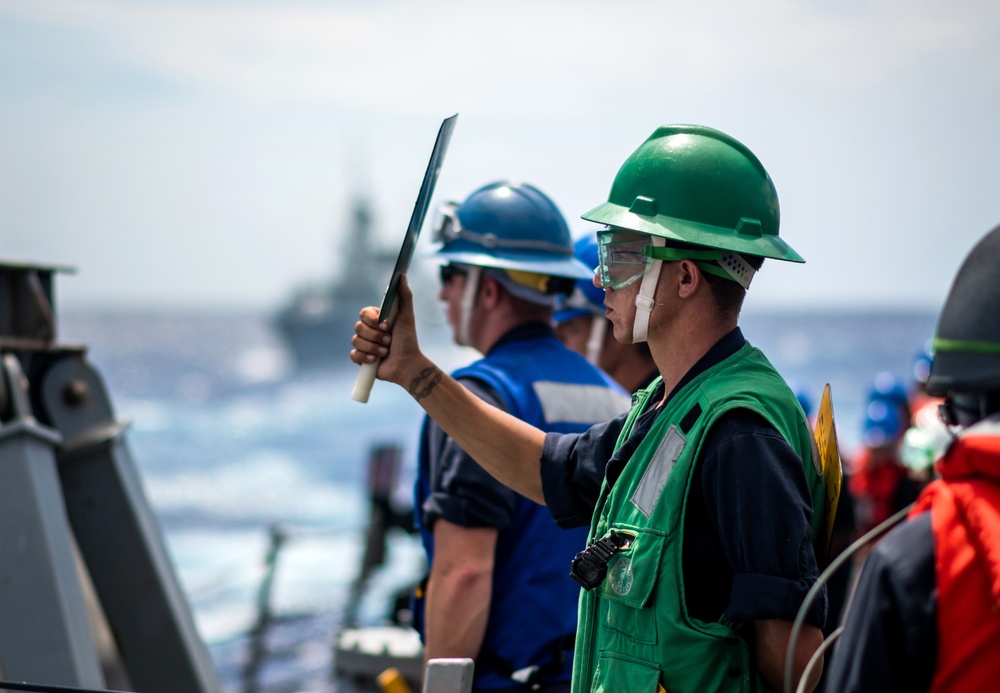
<point>694,184</point>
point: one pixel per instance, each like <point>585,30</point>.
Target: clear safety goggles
<point>445,226</point>
<point>621,257</point>
<point>626,256</point>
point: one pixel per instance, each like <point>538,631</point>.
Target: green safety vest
<point>634,631</point>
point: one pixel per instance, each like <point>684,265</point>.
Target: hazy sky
<point>203,153</point>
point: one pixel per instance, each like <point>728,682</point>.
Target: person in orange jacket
<point>925,616</point>
<point>879,481</point>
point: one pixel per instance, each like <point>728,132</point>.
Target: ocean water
<point>233,444</point>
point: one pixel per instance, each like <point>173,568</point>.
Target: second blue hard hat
<point>586,299</point>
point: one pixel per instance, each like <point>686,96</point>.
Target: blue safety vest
<point>533,609</point>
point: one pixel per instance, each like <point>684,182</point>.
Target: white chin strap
<point>463,338</point>
<point>644,300</point>
<point>595,342</point>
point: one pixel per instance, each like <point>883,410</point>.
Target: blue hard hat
<point>802,396</point>
<point>508,225</point>
<point>888,387</point>
<point>921,365</point>
<point>586,299</point>
<point>883,424</point>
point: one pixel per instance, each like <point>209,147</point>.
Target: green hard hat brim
<point>683,231</point>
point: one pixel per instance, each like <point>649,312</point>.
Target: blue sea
<point>232,443</point>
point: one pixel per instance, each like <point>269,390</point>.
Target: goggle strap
<point>730,265</point>
<point>675,254</point>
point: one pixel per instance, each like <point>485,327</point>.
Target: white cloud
<point>400,56</point>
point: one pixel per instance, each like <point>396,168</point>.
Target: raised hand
<point>394,341</point>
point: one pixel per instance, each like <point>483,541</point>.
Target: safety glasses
<point>621,256</point>
<point>626,256</point>
<point>449,272</point>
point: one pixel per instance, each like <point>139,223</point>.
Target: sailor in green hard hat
<point>704,502</point>
<point>694,193</point>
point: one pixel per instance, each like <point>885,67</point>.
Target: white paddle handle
<point>365,380</point>
<point>366,377</point>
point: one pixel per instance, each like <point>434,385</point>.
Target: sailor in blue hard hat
<point>514,234</point>
<point>880,483</point>
<point>497,591</point>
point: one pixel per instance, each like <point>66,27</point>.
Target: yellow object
<point>391,681</point>
<point>829,455</point>
<point>533,280</point>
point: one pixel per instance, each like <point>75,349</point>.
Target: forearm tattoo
<point>425,382</point>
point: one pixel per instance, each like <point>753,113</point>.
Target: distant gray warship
<point>318,322</point>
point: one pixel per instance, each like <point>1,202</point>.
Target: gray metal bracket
<point>65,474</point>
<point>120,538</point>
<point>46,634</point>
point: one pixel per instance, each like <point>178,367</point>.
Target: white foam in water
<point>263,364</point>
<point>267,486</point>
<point>144,414</point>
<point>315,570</point>
<point>222,572</point>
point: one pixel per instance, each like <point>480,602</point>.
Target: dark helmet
<point>967,339</point>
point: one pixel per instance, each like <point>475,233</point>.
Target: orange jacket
<point>876,490</point>
<point>965,517</point>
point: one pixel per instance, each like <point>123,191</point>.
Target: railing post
<point>258,634</point>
